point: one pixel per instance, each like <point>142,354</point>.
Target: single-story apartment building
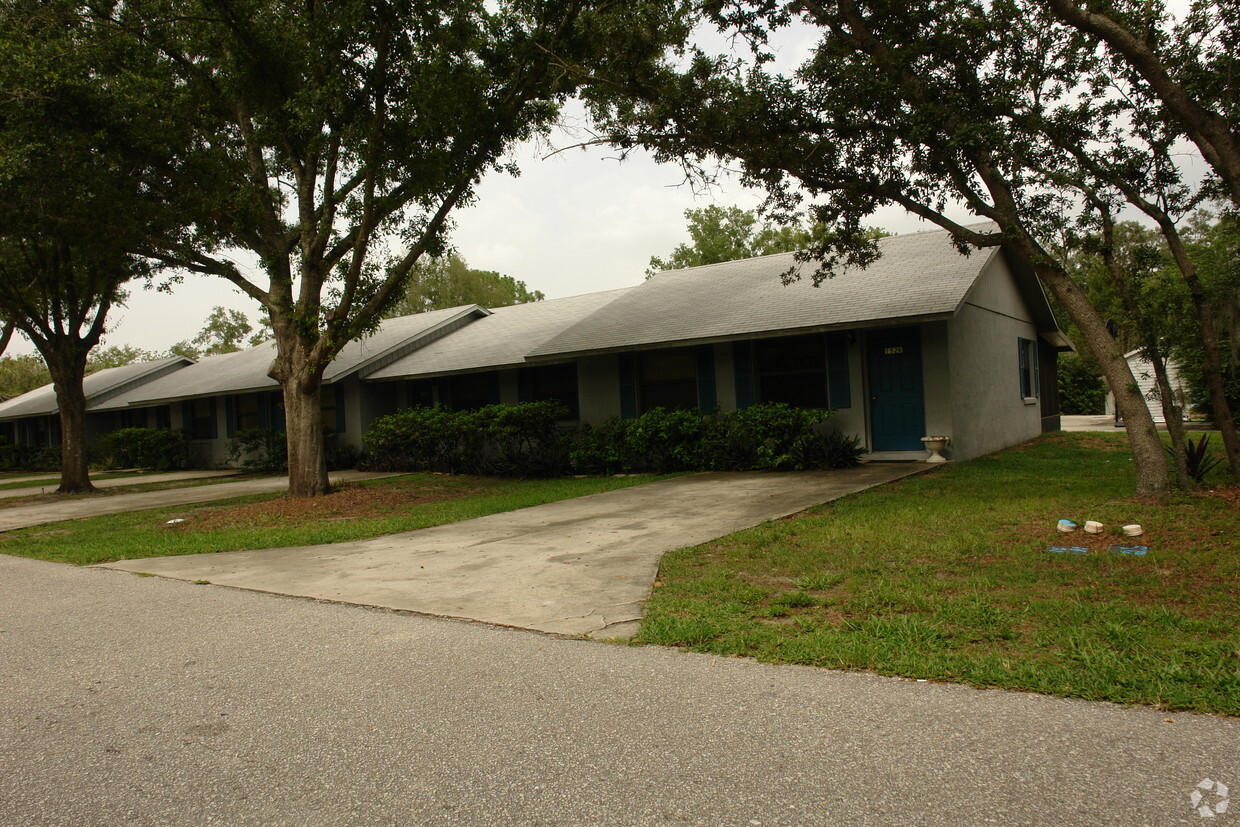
<point>33,419</point>
<point>925,341</point>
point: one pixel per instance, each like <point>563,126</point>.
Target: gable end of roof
<point>387,357</point>
<point>148,376</point>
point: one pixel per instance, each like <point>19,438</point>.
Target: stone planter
<point>935,445</point>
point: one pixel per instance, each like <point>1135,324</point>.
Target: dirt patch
<point>348,502</point>
<point>1229,494</point>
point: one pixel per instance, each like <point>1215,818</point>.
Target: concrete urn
<point>935,445</point>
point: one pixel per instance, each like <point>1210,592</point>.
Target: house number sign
<point>892,351</point>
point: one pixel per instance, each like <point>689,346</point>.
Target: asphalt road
<point>131,700</point>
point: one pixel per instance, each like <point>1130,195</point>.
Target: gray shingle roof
<point>499,340</point>
<point>246,371</point>
<point>98,386</point>
<point>918,276</point>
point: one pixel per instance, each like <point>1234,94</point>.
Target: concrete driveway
<point>77,507</point>
<point>582,566</point>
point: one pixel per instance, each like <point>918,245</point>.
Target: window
<point>246,412</point>
<point>471,391</point>
<point>556,383</point>
<point>668,379</point>
<point>421,393</point>
<point>792,370</point>
<point>331,408</point>
<point>200,418</point>
<point>1028,363</point>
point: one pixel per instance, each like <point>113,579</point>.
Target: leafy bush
<point>779,436</point>
<point>157,449</point>
<point>661,440</point>
<point>842,450</point>
<point>260,449</point>
<point>1081,388</point>
<point>44,459</point>
<point>509,440</point>
<point>525,440</point>
<point>602,449</point>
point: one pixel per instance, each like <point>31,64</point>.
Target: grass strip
<point>271,521</point>
<point>947,577</point>
<point>54,480</point>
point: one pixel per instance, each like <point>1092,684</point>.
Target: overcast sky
<point>579,221</point>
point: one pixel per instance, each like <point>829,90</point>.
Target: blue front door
<point>897,408</point>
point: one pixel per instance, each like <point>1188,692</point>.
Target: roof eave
<point>862,324</point>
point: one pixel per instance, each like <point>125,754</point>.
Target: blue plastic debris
<point>1068,550</point>
<point>1131,551</point>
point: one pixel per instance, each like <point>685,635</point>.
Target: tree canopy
<point>942,107</point>
<point>78,199</point>
<point>448,281</point>
<point>338,138</point>
<point>727,234</point>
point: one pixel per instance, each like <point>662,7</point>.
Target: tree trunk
<point>1212,360</point>
<point>307,455</point>
<point>1147,448</point>
<point>303,413</point>
<point>1173,414</point>
<point>67,372</point>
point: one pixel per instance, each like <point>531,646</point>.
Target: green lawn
<point>946,577</point>
<point>362,510</point>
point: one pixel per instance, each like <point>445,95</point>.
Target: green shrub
<point>157,449</point>
<point>771,433</point>
<point>661,440</point>
<point>526,440</point>
<point>260,449</point>
<point>1081,388</point>
<point>507,440</point>
<point>601,449</point>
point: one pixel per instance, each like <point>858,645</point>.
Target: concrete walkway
<point>49,484</point>
<point>1106,422</point>
<point>581,566</point>
<point>146,701</point>
<point>78,507</point>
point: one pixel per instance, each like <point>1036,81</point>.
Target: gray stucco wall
<point>937,387</point>
<point>988,412</point>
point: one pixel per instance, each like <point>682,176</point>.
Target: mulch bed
<point>347,503</point>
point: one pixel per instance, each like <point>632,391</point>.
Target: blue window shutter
<point>742,362</point>
<point>493,392</point>
<point>187,416</point>
<point>707,399</point>
<point>215,425</point>
<point>1023,356</point>
<point>628,385</point>
<point>230,417</point>
<point>839,389</point>
<point>525,385</point>
<point>340,420</point>
<point>1037,379</point>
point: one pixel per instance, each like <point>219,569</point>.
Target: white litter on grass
<point>175,520</point>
